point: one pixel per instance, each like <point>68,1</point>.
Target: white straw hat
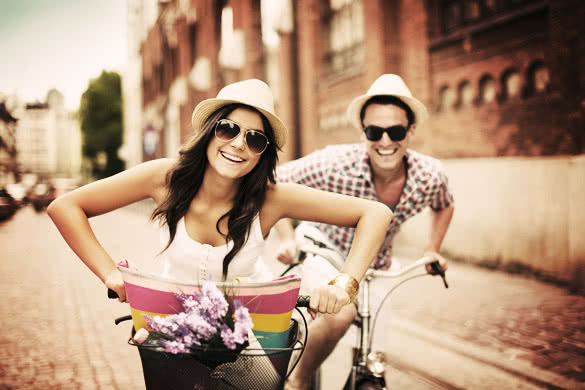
<point>387,85</point>
<point>254,93</point>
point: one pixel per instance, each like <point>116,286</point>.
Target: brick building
<point>500,77</point>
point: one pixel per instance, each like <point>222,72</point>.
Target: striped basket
<point>270,305</point>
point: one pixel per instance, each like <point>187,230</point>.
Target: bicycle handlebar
<point>332,257</point>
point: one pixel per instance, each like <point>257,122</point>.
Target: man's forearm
<point>439,225</point>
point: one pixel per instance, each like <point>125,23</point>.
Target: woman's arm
<point>371,220</point>
<point>71,211</point>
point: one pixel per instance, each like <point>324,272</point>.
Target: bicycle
<point>368,367</point>
<point>257,366</point>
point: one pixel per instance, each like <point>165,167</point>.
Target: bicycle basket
<point>270,306</point>
<point>253,368</point>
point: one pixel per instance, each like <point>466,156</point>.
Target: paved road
<point>489,330</point>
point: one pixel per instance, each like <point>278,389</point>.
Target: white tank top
<point>190,261</point>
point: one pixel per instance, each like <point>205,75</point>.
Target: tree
<point>100,113</point>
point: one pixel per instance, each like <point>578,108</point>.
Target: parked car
<point>41,196</point>
<point>8,205</point>
<point>18,193</point>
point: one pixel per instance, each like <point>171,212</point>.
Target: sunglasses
<point>396,133</point>
<point>227,130</point>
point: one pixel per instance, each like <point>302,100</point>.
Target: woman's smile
<point>232,158</point>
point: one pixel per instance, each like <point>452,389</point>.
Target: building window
<point>451,16</point>
<point>487,89</point>
<point>344,32</point>
<point>511,84</point>
<point>465,94</point>
<point>458,14</point>
<point>231,53</point>
<point>491,6</point>
<point>471,11</point>
<point>446,98</point>
<point>538,78</point>
<point>192,44</point>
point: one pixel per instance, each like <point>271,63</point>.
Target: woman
<point>218,200</point>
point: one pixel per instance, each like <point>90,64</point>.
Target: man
<point>381,168</point>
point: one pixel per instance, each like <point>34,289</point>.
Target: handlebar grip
<point>303,301</point>
<point>112,294</point>
<point>438,270</point>
<point>122,319</point>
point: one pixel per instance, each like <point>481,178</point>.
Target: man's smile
<point>387,152</point>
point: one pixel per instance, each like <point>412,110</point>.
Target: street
<point>489,330</point>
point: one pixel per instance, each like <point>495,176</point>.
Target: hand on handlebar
<point>440,259</point>
<point>327,299</point>
<point>115,283</point>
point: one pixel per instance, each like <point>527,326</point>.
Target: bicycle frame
<point>367,367</point>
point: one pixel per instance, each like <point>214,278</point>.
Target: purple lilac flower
<point>202,319</point>
<point>175,346</point>
<point>228,337</point>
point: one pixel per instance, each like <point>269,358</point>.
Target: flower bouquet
<point>211,328</point>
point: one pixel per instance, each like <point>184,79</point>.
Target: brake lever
<point>438,270</point>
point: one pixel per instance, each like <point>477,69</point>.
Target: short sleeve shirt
<point>345,169</point>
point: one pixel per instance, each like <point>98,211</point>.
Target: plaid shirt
<point>345,169</point>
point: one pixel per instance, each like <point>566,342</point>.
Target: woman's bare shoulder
<point>157,172</point>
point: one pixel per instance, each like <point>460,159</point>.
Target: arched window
<point>511,84</point>
<point>446,98</point>
<point>344,34</point>
<point>487,89</point>
<point>465,94</point>
<point>537,78</point>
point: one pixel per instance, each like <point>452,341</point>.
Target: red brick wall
<point>403,36</point>
<point>308,34</point>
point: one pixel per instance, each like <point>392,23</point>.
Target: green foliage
<point>101,118</point>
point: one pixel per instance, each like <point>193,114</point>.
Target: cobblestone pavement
<point>57,324</point>
<point>524,320</point>
<point>58,332</point>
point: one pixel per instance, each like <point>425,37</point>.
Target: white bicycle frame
<point>371,364</point>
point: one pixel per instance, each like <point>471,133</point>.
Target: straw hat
<point>389,85</point>
<point>254,93</point>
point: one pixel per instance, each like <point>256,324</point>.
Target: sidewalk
<point>527,328</point>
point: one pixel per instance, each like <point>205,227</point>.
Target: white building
<point>48,138</point>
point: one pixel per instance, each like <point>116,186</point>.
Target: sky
<point>60,44</point>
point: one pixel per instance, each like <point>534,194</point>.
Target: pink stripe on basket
<point>280,285</point>
<point>156,301</point>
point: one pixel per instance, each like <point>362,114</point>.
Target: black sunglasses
<point>227,130</point>
<point>396,133</point>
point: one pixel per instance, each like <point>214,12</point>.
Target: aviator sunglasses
<point>227,130</point>
<point>396,133</point>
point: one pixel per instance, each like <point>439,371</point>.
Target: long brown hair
<point>185,178</point>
